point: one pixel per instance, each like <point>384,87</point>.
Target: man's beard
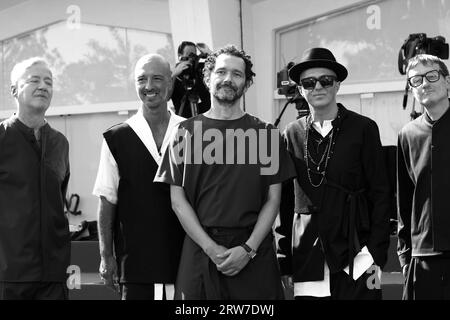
<point>230,96</point>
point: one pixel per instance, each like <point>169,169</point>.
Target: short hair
<point>185,44</point>
<point>231,50</point>
<point>427,60</point>
<point>153,56</point>
<point>20,68</point>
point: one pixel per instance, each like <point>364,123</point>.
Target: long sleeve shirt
<point>351,205</point>
<point>423,181</point>
<point>34,231</point>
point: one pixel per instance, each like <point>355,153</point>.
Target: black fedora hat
<point>317,58</point>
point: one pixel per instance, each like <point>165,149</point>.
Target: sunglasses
<point>417,80</point>
<point>310,83</point>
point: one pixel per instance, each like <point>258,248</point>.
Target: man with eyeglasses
<point>340,227</point>
<point>423,180</point>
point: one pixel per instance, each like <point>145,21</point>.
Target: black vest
<point>147,235</point>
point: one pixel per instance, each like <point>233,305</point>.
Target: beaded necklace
<point>325,156</point>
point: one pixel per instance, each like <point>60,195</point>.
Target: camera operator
<point>189,91</point>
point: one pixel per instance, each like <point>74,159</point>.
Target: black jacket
<point>423,178</point>
<point>348,211</point>
<point>34,232</point>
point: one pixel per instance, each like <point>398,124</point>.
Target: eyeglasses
<point>310,83</point>
<point>417,80</point>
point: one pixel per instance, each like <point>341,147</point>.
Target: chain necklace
<point>318,164</point>
<point>325,156</point>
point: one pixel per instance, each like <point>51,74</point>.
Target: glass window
<point>370,53</point>
<point>93,64</point>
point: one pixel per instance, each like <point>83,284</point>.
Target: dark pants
<point>199,279</point>
<point>428,278</point>
<point>139,291</point>
<point>33,291</point>
<point>342,287</point>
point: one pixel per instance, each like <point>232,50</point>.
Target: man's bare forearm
<point>266,217</point>
<point>189,220</point>
<point>106,217</point>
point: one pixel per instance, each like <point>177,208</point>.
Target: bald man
<point>140,236</point>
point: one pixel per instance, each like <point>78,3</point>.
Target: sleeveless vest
<point>147,234</point>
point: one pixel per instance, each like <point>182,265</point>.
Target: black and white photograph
<point>225,157</point>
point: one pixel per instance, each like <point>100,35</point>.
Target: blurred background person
<point>190,96</point>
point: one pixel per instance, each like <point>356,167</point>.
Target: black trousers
<point>33,291</point>
<point>134,291</point>
<point>343,287</point>
<point>199,279</point>
<point>428,278</point>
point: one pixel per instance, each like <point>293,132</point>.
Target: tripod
<point>193,99</point>
<point>300,105</point>
<point>414,114</point>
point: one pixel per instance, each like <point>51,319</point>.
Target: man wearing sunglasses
<point>340,229</point>
<point>423,176</point>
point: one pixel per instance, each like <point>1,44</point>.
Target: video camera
<point>418,43</point>
<point>289,89</point>
<point>285,85</point>
<point>194,70</point>
<point>189,74</point>
<point>192,91</point>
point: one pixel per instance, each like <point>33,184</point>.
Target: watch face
<point>252,254</point>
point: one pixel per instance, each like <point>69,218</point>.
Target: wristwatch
<point>250,252</point>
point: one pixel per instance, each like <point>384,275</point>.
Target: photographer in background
<point>190,95</point>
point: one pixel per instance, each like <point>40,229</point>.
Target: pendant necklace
<point>325,156</point>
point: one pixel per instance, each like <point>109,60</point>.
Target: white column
<point>214,22</point>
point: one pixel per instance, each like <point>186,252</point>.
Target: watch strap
<point>250,252</point>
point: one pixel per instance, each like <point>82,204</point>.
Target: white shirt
<point>323,129</point>
<point>107,181</point>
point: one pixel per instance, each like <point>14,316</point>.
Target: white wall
<point>84,133</point>
<point>214,22</point>
<point>225,22</point>
<point>190,21</point>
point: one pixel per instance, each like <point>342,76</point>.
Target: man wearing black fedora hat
<point>340,227</point>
